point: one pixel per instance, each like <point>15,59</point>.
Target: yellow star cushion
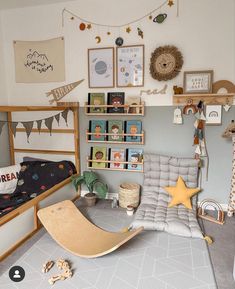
<point>181,194</point>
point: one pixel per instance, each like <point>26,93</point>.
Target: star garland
<point>85,24</point>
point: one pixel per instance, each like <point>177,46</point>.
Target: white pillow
<point>8,179</point>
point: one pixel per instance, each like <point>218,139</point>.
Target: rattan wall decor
<point>166,62</point>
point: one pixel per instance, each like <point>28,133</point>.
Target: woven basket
<point>129,194</point>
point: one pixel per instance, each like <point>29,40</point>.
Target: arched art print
<point>213,114</point>
<point>39,61</point>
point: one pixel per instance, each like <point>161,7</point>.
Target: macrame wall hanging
<point>230,133</point>
<point>166,63</point>
<point>28,125</point>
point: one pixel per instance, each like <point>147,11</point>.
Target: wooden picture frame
<point>130,66</point>
<point>213,114</point>
<point>198,81</point>
<point>101,67</point>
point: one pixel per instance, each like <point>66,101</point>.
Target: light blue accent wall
<point>164,137</point>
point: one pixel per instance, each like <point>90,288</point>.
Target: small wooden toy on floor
<point>53,279</point>
<point>62,265</point>
<point>47,266</point>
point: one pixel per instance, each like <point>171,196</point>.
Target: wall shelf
<point>105,106</point>
<point>207,98</point>
<point>115,142</point>
<point>115,169</point>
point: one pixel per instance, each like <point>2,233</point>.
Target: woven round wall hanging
<point>166,62</point>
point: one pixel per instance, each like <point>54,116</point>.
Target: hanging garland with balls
<point>154,16</point>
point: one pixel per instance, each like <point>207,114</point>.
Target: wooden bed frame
<point>22,223</point>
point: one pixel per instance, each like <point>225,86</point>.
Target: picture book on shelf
<point>135,156</point>
<point>117,155</point>
<point>133,127</point>
<point>98,153</point>
<point>97,127</point>
<point>96,99</point>
<point>115,99</point>
<point>115,127</point>
<point>133,100</point>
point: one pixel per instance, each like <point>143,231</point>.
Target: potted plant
<point>92,182</point>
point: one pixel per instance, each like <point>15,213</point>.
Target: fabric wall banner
<point>40,61</point>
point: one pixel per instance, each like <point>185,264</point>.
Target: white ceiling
<point>11,4</point>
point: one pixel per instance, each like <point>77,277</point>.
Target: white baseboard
<point>108,196</point>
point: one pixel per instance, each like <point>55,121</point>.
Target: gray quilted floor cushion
<point>153,212</point>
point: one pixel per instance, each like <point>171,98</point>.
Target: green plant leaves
<point>89,177</point>
<point>77,181</point>
<point>101,189</point>
<point>91,180</point>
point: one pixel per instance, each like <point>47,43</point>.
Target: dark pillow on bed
<point>35,178</point>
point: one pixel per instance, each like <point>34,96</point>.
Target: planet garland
<point>82,26</point>
<point>119,41</point>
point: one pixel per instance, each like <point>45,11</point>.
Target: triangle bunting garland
<point>28,125</point>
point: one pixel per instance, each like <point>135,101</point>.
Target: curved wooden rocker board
<point>71,230</point>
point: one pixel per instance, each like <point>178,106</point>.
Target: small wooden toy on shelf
<point>208,204</point>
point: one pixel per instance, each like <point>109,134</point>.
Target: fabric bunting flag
<point>13,128</point>
<point>28,125</point>
<point>39,125</point>
<point>65,115</point>
<point>48,123</point>
<point>57,117</point>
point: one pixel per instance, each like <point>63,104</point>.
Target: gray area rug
<point>152,260</point>
<point>222,251</point>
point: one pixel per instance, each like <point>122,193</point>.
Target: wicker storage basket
<point>129,194</point>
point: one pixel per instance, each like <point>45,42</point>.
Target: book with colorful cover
<point>134,156</point>
<point>98,153</point>
<point>133,127</point>
<point>117,155</point>
<point>96,99</point>
<point>115,127</point>
<point>133,100</point>
<point>116,98</point>
<point>97,127</point>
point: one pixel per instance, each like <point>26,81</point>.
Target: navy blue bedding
<point>35,177</point>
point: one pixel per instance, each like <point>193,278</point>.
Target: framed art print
<point>130,66</point>
<point>214,114</point>
<point>101,67</point>
<point>198,81</point>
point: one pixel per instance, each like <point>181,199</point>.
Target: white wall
<point>204,33</point>
<point>3,94</point>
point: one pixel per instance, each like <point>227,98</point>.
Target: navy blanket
<point>35,177</point>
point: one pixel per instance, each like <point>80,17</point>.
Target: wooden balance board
<point>71,230</point>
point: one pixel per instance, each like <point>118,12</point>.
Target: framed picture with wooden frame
<point>198,81</point>
<point>101,67</point>
<point>130,66</point>
<point>213,114</point>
